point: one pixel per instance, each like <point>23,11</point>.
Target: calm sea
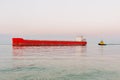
<point>91,62</point>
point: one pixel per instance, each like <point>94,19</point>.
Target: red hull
<point>22,42</point>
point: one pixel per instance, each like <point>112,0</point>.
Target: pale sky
<point>62,17</point>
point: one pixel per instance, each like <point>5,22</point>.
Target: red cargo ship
<point>24,42</point>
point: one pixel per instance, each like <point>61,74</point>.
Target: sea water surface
<point>91,62</point>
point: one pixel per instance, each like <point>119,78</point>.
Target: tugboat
<point>101,43</point>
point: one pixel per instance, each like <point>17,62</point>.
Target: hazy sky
<point>62,17</point>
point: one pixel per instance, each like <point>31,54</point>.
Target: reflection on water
<point>49,51</point>
<point>61,63</point>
